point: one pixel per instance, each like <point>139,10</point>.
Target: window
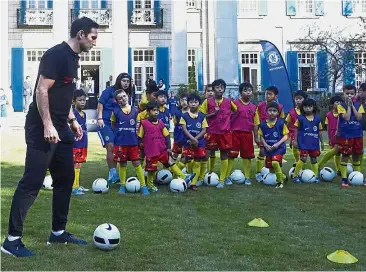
<point>191,3</point>
<point>250,68</point>
<point>143,12</point>
<point>249,58</point>
<point>143,68</point>
<point>37,4</point>
<point>305,7</point>
<point>90,4</point>
<point>360,68</point>
<point>248,7</point>
<point>359,6</point>
<point>306,61</point>
<point>143,55</point>
<point>92,55</point>
<point>191,59</point>
<point>35,55</point>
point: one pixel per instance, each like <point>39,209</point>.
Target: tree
<point>192,83</point>
<point>338,47</point>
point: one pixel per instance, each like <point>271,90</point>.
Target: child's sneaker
<point>344,183</point>
<point>16,248</point>
<point>296,180</point>
<point>228,181</point>
<point>144,191</point>
<point>316,180</point>
<point>194,188</point>
<point>279,185</point>
<point>65,238</point>
<point>83,189</point>
<point>188,179</point>
<point>259,177</point>
<point>154,189</point>
<point>77,191</point>
<point>199,183</point>
<point>220,185</point>
<point>247,181</point>
<point>122,190</point>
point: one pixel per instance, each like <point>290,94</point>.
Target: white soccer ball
<point>307,176</point>
<point>47,183</point>
<point>132,185</point>
<point>184,170</point>
<point>291,173</point>
<point>356,178</point>
<point>164,176</point>
<point>270,179</point>
<point>327,174</point>
<point>264,171</point>
<point>100,186</point>
<point>178,185</point>
<point>211,179</point>
<point>106,237</point>
<point>349,168</point>
<point>237,177</point>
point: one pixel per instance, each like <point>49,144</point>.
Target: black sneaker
<point>65,238</point>
<point>16,248</point>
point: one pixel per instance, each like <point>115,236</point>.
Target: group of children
<point>232,127</point>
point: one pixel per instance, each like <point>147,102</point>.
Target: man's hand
<point>76,128</point>
<point>257,141</point>
<point>100,123</point>
<point>267,147</point>
<point>275,146</point>
<point>51,134</point>
<point>195,142</point>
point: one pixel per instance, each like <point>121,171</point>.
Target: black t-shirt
<point>59,63</point>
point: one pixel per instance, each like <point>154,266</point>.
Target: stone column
<point>60,21</point>
<point>120,37</point>
<point>4,46</point>
<point>179,44</point>
<point>227,43</point>
<point>211,45</point>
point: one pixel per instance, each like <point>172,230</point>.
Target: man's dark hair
<point>152,88</point>
<point>151,105</point>
<point>272,89</point>
<point>363,87</point>
<point>245,86</point>
<point>78,93</point>
<point>273,105</point>
<point>336,98</point>
<point>301,93</point>
<point>162,93</point>
<point>208,86</point>
<point>349,87</point>
<point>218,82</point>
<point>307,103</point>
<point>183,95</point>
<point>85,24</point>
<point>118,84</point>
<point>194,96</point>
<point>117,92</point>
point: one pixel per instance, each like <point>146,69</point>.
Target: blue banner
<point>275,72</point>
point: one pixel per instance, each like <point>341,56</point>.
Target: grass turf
<point>204,230</point>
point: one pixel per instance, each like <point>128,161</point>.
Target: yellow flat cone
<point>342,256</point>
<point>258,222</point>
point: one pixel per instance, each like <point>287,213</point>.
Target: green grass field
<point>204,230</point>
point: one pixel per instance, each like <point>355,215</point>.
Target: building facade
<point>163,39</point>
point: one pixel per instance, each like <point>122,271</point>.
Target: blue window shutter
<point>322,59</point>
<point>130,61</point>
<point>157,11</point>
<point>50,4</point>
<point>239,72</point>
<point>103,4</point>
<point>17,77</point>
<point>162,65</point>
<point>319,7</point>
<point>290,7</point>
<point>129,10</point>
<point>199,67</point>
<point>23,7</point>
<point>293,69</point>
<point>76,8</point>
<point>349,67</point>
<point>262,8</point>
<point>347,8</point>
<point>265,80</point>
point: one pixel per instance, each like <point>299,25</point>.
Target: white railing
<point>143,16</point>
<point>100,16</point>
<point>42,17</point>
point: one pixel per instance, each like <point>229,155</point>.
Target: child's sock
<point>211,164</point>
<point>189,167</point>
<point>246,163</point>
<point>140,175</point>
<point>343,170</point>
<point>260,163</point>
<point>150,179</point>
<point>48,172</point>
<point>278,171</point>
<point>123,175</point>
<point>327,156</point>
<point>203,169</point>
<point>197,171</point>
<point>315,168</point>
<point>77,178</point>
<point>230,166</point>
<point>337,162</point>
<point>223,169</point>
<point>356,166</point>
<point>180,164</point>
<point>177,172</point>
<point>296,153</point>
<point>299,166</point>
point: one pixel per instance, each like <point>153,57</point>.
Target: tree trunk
<point>334,84</point>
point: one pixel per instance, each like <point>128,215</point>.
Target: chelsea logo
<point>198,125</point>
<point>275,134</point>
<point>315,128</point>
<point>132,122</point>
<point>106,138</point>
<point>273,58</point>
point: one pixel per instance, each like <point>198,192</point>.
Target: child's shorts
<point>80,154</point>
<point>350,146</point>
<point>152,163</point>
<point>311,153</point>
<point>219,141</point>
<point>243,143</point>
<point>270,159</point>
<point>123,154</point>
<point>194,152</point>
<point>177,148</point>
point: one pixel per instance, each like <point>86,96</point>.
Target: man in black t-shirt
<point>50,131</point>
